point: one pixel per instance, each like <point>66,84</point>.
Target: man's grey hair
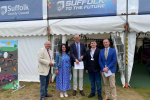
<point>76,34</point>
<point>46,42</point>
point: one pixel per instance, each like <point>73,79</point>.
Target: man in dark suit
<point>78,52</point>
<point>107,61</point>
<point>93,68</point>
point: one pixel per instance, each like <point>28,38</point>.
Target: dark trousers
<point>44,81</point>
<point>95,77</point>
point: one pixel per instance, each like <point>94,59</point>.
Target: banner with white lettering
<point>144,7</point>
<point>81,8</point>
<point>20,10</point>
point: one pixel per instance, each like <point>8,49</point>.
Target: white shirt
<point>92,52</point>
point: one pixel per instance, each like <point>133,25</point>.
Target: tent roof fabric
<point>23,28</point>
<point>139,23</point>
<point>92,25</point>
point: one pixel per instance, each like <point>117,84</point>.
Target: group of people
<point>97,63</point>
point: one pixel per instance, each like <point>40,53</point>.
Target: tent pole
<point>126,46</point>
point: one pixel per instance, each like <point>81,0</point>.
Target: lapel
<point>80,49</point>
<point>104,53</point>
<point>95,53</point>
<point>45,51</point>
<point>75,48</point>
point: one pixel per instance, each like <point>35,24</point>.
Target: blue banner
<point>20,10</point>
<point>144,7</point>
<point>81,8</point>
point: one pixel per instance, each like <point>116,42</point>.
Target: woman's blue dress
<point>63,77</point>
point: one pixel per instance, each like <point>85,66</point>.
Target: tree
<point>15,45</point>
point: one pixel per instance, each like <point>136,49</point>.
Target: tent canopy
<point>92,25</point>
<point>139,23</point>
<point>23,28</point>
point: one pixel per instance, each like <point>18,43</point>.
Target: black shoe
<point>91,95</point>
<point>74,93</point>
<point>100,97</point>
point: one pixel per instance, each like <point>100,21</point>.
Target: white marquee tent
<point>31,36</point>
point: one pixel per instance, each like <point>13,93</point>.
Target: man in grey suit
<point>78,53</point>
<point>46,61</point>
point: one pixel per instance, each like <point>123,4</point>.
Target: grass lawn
<point>8,49</point>
<point>31,92</point>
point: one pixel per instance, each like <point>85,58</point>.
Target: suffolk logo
<point>3,10</point>
<point>60,5</point>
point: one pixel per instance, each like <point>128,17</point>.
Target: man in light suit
<point>46,61</point>
<point>107,61</point>
<point>78,53</point>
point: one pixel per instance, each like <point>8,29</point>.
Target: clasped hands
<point>77,61</point>
<point>105,70</point>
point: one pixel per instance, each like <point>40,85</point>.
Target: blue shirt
<point>78,49</point>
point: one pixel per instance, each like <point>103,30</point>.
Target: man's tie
<point>106,54</point>
<point>49,54</point>
<point>78,51</point>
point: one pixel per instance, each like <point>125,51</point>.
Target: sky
<point>4,43</point>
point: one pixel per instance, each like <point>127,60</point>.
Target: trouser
<point>111,80</point>
<point>95,77</point>
<point>44,81</point>
<point>75,71</point>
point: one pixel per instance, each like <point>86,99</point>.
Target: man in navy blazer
<point>107,61</point>
<point>78,53</point>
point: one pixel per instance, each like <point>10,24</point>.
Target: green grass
<point>31,92</point>
<point>8,49</point>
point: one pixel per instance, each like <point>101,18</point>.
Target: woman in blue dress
<point>63,69</point>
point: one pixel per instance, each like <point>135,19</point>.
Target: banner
<point>20,10</point>
<point>81,8</point>
<point>144,7</point>
<point>9,64</point>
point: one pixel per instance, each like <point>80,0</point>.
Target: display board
<point>20,10</point>
<point>9,64</point>
<point>81,8</point>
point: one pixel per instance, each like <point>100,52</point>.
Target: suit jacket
<point>44,60</point>
<point>73,52</point>
<point>92,66</point>
<point>111,59</point>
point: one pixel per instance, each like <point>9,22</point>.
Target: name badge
<point>92,58</point>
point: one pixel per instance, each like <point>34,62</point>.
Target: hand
<point>51,64</point>
<point>70,71</point>
<point>57,72</point>
<point>105,70</point>
<point>77,61</point>
<point>86,71</point>
<point>81,57</point>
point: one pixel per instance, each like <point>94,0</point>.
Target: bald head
<point>76,38</point>
<point>47,44</point>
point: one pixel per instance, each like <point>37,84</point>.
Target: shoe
<point>65,94</point>
<point>91,95</point>
<point>82,93</point>
<point>43,99</point>
<point>100,97</point>
<point>106,99</point>
<point>61,95</point>
<point>48,95</point>
<point>74,93</point>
